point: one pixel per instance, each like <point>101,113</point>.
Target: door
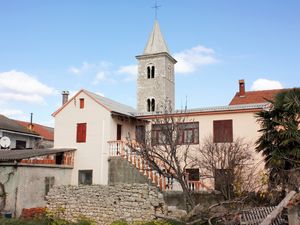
<point>119,132</point>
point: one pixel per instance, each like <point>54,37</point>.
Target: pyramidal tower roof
<point>156,42</point>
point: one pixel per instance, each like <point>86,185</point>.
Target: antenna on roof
<point>156,7</point>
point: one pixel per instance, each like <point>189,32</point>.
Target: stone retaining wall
<point>105,204</point>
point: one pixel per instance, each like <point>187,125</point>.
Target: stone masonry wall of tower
<point>162,87</point>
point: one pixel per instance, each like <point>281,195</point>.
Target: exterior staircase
<point>119,151</point>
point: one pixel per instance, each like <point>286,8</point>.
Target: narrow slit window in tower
<point>152,71</point>
<point>148,105</point>
<point>153,105</point>
<point>148,72</point>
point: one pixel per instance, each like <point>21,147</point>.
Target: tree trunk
<point>189,199</point>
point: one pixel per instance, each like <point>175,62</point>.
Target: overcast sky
<point>53,45</point>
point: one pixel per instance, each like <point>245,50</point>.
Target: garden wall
<point>104,204</point>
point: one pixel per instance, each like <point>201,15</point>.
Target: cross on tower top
<point>156,7</point>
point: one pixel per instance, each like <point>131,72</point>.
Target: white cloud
<point>100,76</point>
<point>131,71</point>
<point>99,93</point>
<point>11,112</point>
<point>264,84</point>
<point>33,98</point>
<point>190,60</point>
<point>85,67</point>
<point>19,86</point>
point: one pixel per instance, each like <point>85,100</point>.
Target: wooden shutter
<point>222,131</point>
<point>81,101</point>
<point>228,134</point>
<point>81,132</point>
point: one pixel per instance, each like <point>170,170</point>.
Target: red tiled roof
<point>46,132</point>
<point>253,97</point>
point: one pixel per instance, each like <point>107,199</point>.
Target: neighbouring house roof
<point>156,42</point>
<point>212,110</point>
<point>11,125</point>
<point>111,105</point>
<point>11,155</point>
<point>252,97</point>
<point>44,131</point>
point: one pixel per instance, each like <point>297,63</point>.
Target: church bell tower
<point>156,81</point>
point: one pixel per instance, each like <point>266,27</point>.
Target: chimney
<point>65,96</point>
<point>30,125</point>
<point>242,88</point>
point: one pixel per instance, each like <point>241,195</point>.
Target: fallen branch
<point>272,216</point>
<point>228,202</point>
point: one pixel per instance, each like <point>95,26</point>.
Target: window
<point>85,177</point>
<point>222,131</point>
<point>188,133</point>
<point>193,174</point>
<point>81,132</point>
<point>224,179</point>
<point>20,144</point>
<point>161,133</point>
<point>150,72</point>
<point>81,103</point>
<point>49,182</point>
<point>140,133</point>
<point>150,105</point>
<point>59,158</point>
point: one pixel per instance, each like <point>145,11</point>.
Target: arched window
<point>148,105</point>
<point>148,72</point>
<point>152,71</point>
<point>153,105</point>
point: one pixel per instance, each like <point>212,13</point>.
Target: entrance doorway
<point>119,132</point>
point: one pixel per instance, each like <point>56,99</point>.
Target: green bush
<point>154,222</point>
<point>44,221</point>
<point>119,222</point>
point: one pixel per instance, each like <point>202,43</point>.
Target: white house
<point>94,125</point>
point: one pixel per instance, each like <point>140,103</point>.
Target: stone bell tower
<point>156,81</point>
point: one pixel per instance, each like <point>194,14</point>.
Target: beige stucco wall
<point>25,185</point>
<point>101,128</point>
<point>244,126</point>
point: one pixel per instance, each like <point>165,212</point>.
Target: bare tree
<point>231,165</point>
<point>166,147</point>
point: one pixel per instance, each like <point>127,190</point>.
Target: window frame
<point>182,131</point>
<point>191,173</point>
<point>90,181</point>
<point>49,183</point>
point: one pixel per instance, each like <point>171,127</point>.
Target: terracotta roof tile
<point>10,155</point>
<point>253,97</point>
<point>12,125</point>
<point>46,132</point>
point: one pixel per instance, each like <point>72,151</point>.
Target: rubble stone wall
<point>104,204</point>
